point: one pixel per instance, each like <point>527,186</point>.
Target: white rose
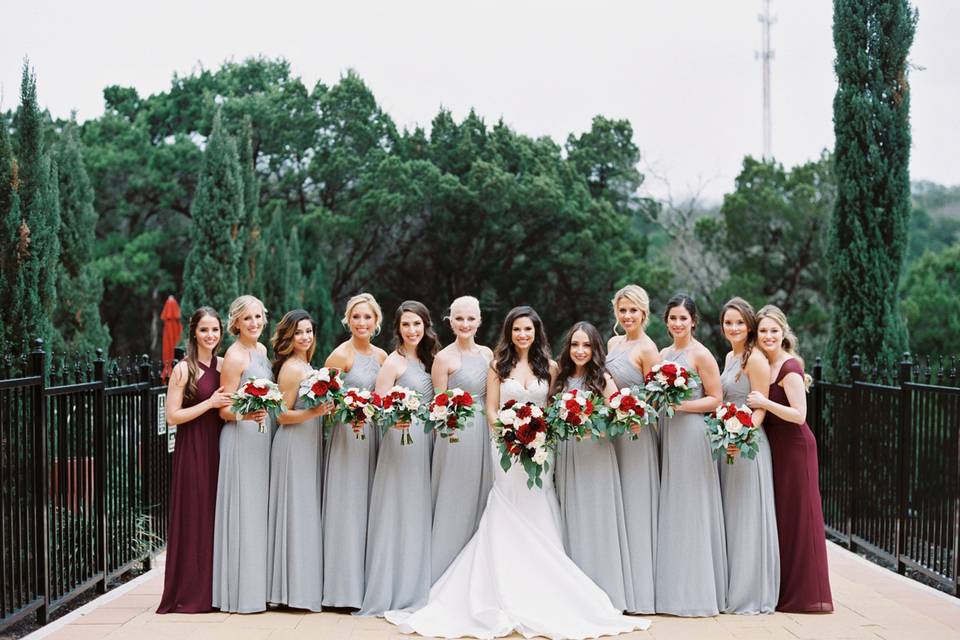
<point>733,426</point>
<point>508,416</point>
<point>680,381</point>
<point>369,410</point>
<point>540,456</point>
<point>412,403</point>
<point>662,379</point>
<point>536,412</point>
<point>438,413</point>
<point>539,440</point>
<point>615,402</point>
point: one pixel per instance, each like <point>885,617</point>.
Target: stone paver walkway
<point>871,602</point>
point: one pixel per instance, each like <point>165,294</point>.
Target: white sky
<point>683,72</point>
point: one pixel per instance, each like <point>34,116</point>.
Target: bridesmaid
<point>294,563</point>
<point>240,534</point>
<point>398,535</point>
<point>691,554</point>
<point>746,487</point>
<point>804,577</point>
<point>350,463</point>
<point>588,477</point>
<point>194,395</point>
<point>630,358</point>
<point>462,473</point>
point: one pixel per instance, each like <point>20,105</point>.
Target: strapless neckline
<point>537,383</point>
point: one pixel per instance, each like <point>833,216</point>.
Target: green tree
<point>293,282</point>
<point>251,264</point>
<point>33,295</point>
<point>80,286</point>
<point>9,239</point>
<point>274,266</point>
<point>868,233</point>
<point>210,273</point>
<point>931,305</point>
<point>770,239</point>
<point>317,300</point>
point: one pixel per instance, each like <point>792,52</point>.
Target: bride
<point>514,575</point>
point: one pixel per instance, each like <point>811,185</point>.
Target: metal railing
<point>890,465</point>
<point>85,477</point>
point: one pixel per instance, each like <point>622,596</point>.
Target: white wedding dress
<point>514,575</point>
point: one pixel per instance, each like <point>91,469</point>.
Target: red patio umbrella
<point>171,332</point>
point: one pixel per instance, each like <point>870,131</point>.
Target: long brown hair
<point>593,379</point>
<point>745,309</point>
<point>428,346</point>
<point>282,340</point>
<point>193,366</point>
<point>506,354</point>
<point>789,342</point>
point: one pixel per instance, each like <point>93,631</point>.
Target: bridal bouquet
<point>576,414</point>
<point>323,385</point>
<point>448,412</point>
<point>256,394</point>
<point>668,384</point>
<point>523,436</point>
<point>732,425</point>
<point>356,407</point>
<point>396,409</point>
<point>628,412</point>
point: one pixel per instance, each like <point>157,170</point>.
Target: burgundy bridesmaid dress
<point>188,579</point>
<point>804,577</point>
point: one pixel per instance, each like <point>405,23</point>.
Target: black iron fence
<point>890,465</point>
<point>84,453</point>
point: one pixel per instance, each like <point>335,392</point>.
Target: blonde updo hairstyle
<point>463,302</point>
<point>789,342</point>
<point>638,296</point>
<point>236,311</point>
<point>362,298</point>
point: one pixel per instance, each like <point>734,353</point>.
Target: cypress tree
<point>80,287</point>
<point>317,299</point>
<point>293,285</point>
<point>252,262</point>
<point>868,232</point>
<point>9,225</point>
<point>274,272</point>
<point>210,273</point>
<point>33,293</point>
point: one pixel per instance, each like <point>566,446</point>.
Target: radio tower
<point>766,55</point>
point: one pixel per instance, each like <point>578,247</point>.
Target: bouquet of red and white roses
<point>255,394</point>
<point>732,425</point>
<point>356,407</point>
<point>398,408</point>
<point>668,384</point>
<point>576,414</point>
<point>523,436</point>
<point>628,412</point>
<point>322,385</point>
<point>448,412</point>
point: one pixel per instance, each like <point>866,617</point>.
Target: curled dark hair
<point>193,368</point>
<point>283,336</point>
<point>745,309</point>
<point>594,379</point>
<point>429,344</point>
<point>506,354</point>
<point>685,301</point>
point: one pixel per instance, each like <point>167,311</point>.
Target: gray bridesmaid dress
<point>639,465</point>
<point>349,467</point>
<point>295,551</point>
<point>462,473</point>
<point>749,515</point>
<point>240,524</point>
<point>691,554</point>
<point>398,534</point>
<point>591,508</point>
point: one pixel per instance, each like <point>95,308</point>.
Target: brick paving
<point>871,602</point>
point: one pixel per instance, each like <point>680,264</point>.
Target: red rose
<point>524,411</point>
<point>463,400</point>
<point>334,384</point>
<point>452,421</point>
<point>745,418</point>
<point>386,402</point>
<point>628,403</point>
<point>509,404</point>
<point>441,400</point>
<point>526,433</point>
<point>589,408</point>
<point>539,424</point>
<point>730,412</point>
<point>320,387</point>
<point>253,390</point>
<point>573,405</point>
<point>669,369</point>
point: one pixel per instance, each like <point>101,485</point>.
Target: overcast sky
<point>683,72</point>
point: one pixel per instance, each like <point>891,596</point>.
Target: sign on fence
<point>161,414</point>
